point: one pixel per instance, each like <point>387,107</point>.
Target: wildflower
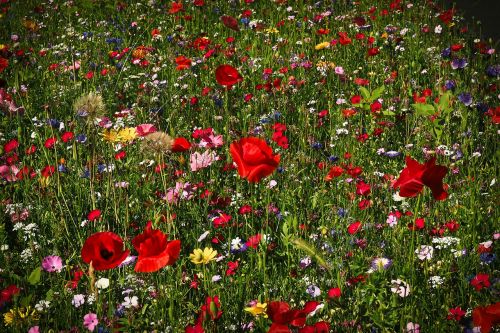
<point>203,256</point>
<point>90,321</point>
<point>102,283</point>
<point>480,281</point>
<point>227,75</point>
<point>104,250</point>
<point>18,315</point>
<point>486,316</point>
<point>425,252</point>
<point>456,314</point>
<point>52,264</point>
<point>381,263</point>
<point>254,158</point>
<point>413,178</point>
<point>78,300</point>
<point>400,287</point>
<point>321,46</point>
<point>257,309</point>
<point>412,328</point>
<point>436,281</point>
<point>127,134</point>
<point>157,142</point>
<point>155,251</point>
<point>130,302</point>
<point>313,290</point>
<point>334,293</point>
<point>90,105</point>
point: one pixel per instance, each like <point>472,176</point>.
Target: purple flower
<point>493,71</point>
<point>450,85</point>
<point>313,291</point>
<point>90,321</point>
<point>52,264</point>
<point>459,63</point>
<point>446,53</point>
<point>465,98</point>
<point>392,153</point>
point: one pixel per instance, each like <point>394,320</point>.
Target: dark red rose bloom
<point>254,158</point>
<point>180,145</point>
<point>155,251</point>
<point>227,75</point>
<point>104,250</point>
<point>413,178</point>
<point>230,22</point>
<point>486,317</point>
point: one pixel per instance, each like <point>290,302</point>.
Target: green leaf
<point>377,93</point>
<point>365,93</point>
<point>424,109</point>
<point>437,131</point>
<point>25,301</point>
<point>444,104</point>
<point>388,113</point>
<point>34,277</point>
<point>49,296</point>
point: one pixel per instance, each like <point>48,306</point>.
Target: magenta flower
<point>52,264</point>
<point>90,321</point>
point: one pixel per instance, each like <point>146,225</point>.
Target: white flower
<point>438,29</point>
<point>436,281</point>
<point>130,302</point>
<point>42,305</point>
<point>203,236</point>
<point>78,300</point>
<point>425,252</point>
<point>400,287</point>
<point>102,283</point>
<point>216,278</point>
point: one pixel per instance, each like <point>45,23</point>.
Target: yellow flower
<point>384,35</point>
<point>110,135</point>
<point>204,256</point>
<point>321,46</point>
<point>127,134</point>
<point>20,314</point>
<point>271,31</point>
<point>258,309</point>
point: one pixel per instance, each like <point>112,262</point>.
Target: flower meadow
<point>247,166</point>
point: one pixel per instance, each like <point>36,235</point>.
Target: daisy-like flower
<point>400,287</point>
<point>204,256</point>
<point>127,134</point>
<point>257,309</point>
<point>382,263</point>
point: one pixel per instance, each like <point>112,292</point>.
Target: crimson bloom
<point>155,251</point>
<point>230,22</point>
<point>227,75</point>
<point>180,144</point>
<point>104,250</point>
<point>354,227</point>
<point>486,316</point>
<point>413,178</point>
<point>481,281</point>
<point>254,158</point>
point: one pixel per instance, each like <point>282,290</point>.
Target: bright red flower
<point>456,314</point>
<point>373,51</point>
<point>155,251</point>
<point>230,22</point>
<point>319,327</point>
<point>180,145</point>
<point>10,146</point>
<point>334,172</point>
<point>344,39</point>
<point>334,293</point>
<point>104,250</point>
<point>480,281</point>
<point>354,227</point>
<point>413,178</point>
<point>227,75</point>
<point>120,155</point>
<point>254,158</point>
<point>67,136</point>
<point>48,171</point>
<point>175,7</point>
<point>363,188</point>
<point>182,62</point>
<point>211,309</point>
<point>486,317</point>
<point>198,328</point>
<point>253,241</point>
<point>50,142</point>
<point>94,215</point>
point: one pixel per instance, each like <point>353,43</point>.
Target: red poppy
<point>354,227</point>
<point>50,142</point>
<point>254,158</point>
<point>211,309</point>
<point>104,250</point>
<point>155,251</point>
<point>67,136</point>
<point>363,188</point>
<point>175,7</point>
<point>480,281</point>
<point>373,51</point>
<point>486,317</point>
<point>227,75</point>
<point>4,63</point>
<point>48,171</point>
<point>413,178</point>
<point>182,62</point>
<point>334,293</point>
<point>94,215</point>
<point>10,146</point>
<point>334,172</point>
<point>230,22</point>
<point>180,145</point>
<point>319,327</point>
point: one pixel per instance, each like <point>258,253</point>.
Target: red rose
<point>155,251</point>
<point>254,158</point>
<point>227,75</point>
<point>104,250</point>
<point>180,145</point>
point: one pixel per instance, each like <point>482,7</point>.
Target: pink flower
<point>90,321</point>
<point>52,264</point>
<point>145,129</point>
<point>9,172</point>
<point>412,328</point>
<point>200,161</point>
<point>34,329</point>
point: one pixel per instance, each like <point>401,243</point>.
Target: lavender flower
<point>459,63</point>
<point>465,98</point>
